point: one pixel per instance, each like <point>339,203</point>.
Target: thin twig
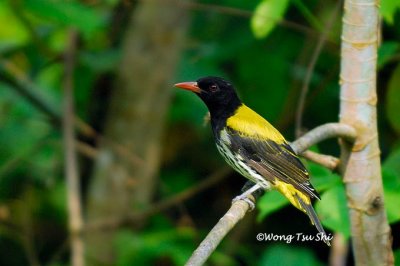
<point>86,149</point>
<point>310,69</point>
<point>244,13</point>
<point>19,81</point>
<point>71,168</point>
<point>232,11</point>
<point>210,181</point>
<point>328,161</point>
<point>339,251</point>
<point>239,208</point>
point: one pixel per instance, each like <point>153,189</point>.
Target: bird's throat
<point>219,115</point>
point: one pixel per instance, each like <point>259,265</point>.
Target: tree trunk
<point>123,184</point>
<point>371,237</point>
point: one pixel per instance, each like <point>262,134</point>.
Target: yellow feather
<point>289,191</point>
<point>250,124</point>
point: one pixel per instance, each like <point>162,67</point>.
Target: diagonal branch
<point>17,80</point>
<point>239,208</point>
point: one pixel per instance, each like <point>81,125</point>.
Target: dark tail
<point>314,219</point>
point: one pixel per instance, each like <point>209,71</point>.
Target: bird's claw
<point>246,199</point>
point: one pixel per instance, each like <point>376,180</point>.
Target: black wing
<point>273,160</point>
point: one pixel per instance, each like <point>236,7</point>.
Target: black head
<point>218,94</point>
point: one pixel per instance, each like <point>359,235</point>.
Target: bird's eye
<point>214,88</point>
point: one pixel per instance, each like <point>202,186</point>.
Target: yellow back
<point>249,123</point>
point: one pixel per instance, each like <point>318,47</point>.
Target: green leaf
<point>397,256</point>
<point>67,13</point>
<point>391,185</point>
<point>12,33</point>
<point>58,39</point>
<point>386,51</point>
<point>393,100</point>
<point>288,255</point>
<point>392,162</point>
<point>332,209</point>
<point>388,9</point>
<point>267,14</point>
<point>270,202</point>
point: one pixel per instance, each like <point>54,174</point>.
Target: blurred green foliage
<point>287,255</point>
<point>389,9</point>
<point>265,58</point>
<point>266,15</point>
<point>393,100</point>
<point>164,242</point>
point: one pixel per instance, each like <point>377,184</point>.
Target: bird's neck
<point>220,113</point>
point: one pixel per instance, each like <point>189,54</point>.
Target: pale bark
<point>135,120</point>
<point>370,232</point>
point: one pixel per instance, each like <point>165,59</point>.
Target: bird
<point>255,148</point>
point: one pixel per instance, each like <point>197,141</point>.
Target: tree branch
<point>327,161</point>
<point>237,211</point>
<point>339,251</point>
<point>323,132</point>
<point>239,208</point>
<point>71,168</point>
<point>17,80</point>
<point>361,166</point>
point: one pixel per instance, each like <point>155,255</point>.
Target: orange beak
<point>190,86</point>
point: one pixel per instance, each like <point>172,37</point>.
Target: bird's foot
<point>244,196</point>
<point>246,199</point>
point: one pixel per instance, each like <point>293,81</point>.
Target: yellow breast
<point>250,124</point>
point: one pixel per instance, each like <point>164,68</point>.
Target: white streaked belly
<point>236,162</point>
